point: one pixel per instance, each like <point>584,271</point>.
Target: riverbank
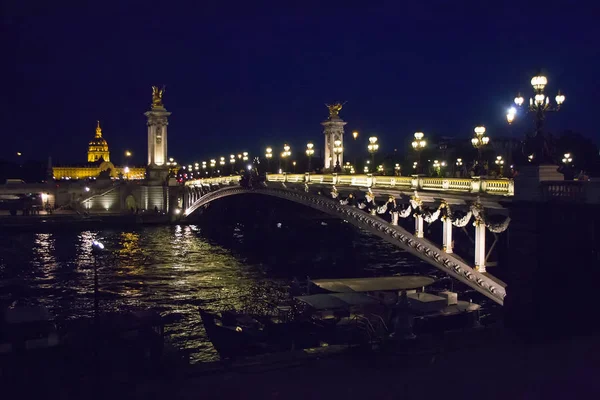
<point>500,367</point>
<point>64,219</point>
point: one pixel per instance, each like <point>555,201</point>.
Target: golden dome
<point>98,147</point>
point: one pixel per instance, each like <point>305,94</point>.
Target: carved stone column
<point>395,218</point>
<point>419,226</point>
<point>479,245</point>
<point>447,235</point>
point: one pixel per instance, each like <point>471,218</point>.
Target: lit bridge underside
<point>203,192</point>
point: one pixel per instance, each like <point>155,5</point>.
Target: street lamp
<point>418,145</point>
<point>245,156</point>
<point>479,141</point>
<point>355,135</point>
<point>510,115</point>
<point>309,153</point>
<point>567,159</point>
<point>539,104</point>
<point>337,150</point>
<point>294,166</point>
<point>286,153</point>
<point>397,169</point>
<point>268,156</point>
<point>213,163</point>
<point>232,162</point>
<point>373,147</point>
<point>500,163</point>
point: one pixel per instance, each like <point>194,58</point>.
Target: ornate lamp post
<point>419,144</point>
<point>222,164</point>
<point>268,156</point>
<point>286,153</point>
<point>478,141</point>
<point>567,159</point>
<point>245,156</point>
<point>337,150</point>
<point>309,153</point>
<point>538,106</point>
<point>459,163</point>
<point>232,162</point>
<point>500,163</point>
<point>204,167</point>
<point>373,147</point>
<point>397,169</point>
<point>294,166</point>
<point>213,163</point>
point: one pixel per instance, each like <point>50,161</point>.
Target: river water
<point>174,269</point>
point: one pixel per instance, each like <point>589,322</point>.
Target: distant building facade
<point>98,157</point>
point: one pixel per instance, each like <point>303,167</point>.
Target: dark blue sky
<point>243,78</point>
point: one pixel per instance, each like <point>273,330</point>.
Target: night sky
<point>241,78</point>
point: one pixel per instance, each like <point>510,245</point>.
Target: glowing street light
<point>268,156</point>
<point>337,150</point>
<point>245,156</point>
<point>459,162</point>
<point>567,159</point>
<point>419,145</point>
<point>539,104</point>
<point>309,153</point>
<point>285,154</point>
<point>373,146</point>
<point>500,163</point>
<point>397,169</point>
<point>510,115</point>
<point>355,135</point>
<point>479,141</point>
<point>128,153</point>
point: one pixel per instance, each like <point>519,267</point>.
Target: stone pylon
<point>333,130</point>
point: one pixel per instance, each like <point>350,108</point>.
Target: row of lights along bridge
<point>539,104</point>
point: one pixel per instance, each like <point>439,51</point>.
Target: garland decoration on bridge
<point>460,222</point>
<point>498,227</point>
<point>405,213</point>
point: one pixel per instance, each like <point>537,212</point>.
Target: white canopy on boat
<point>391,283</point>
<point>332,301</point>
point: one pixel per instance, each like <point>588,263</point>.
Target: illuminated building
<point>98,158</point>
<point>98,147</point>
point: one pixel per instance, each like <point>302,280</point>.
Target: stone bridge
<point>338,196</point>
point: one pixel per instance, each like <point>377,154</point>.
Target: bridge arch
<point>394,234</point>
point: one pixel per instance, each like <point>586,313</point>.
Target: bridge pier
<point>479,245</point>
<point>447,235</point>
<point>419,226</point>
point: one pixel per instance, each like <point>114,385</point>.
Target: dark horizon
<point>247,79</point>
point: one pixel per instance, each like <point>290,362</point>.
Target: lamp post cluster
<point>337,150</point>
<point>373,146</point>
<point>539,105</point>
<point>418,145</point>
<point>479,141</point>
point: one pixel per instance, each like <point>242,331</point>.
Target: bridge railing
<point>501,187</point>
<point>572,191</point>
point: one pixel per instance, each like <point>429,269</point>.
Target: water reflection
<point>172,269</point>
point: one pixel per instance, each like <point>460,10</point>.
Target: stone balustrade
<point>571,191</point>
<point>500,187</point>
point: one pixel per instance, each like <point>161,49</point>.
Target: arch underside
<point>394,234</point>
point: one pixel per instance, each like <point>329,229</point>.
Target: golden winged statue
<point>334,109</point>
<point>157,95</point>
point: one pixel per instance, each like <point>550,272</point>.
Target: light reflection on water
<point>171,269</point>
